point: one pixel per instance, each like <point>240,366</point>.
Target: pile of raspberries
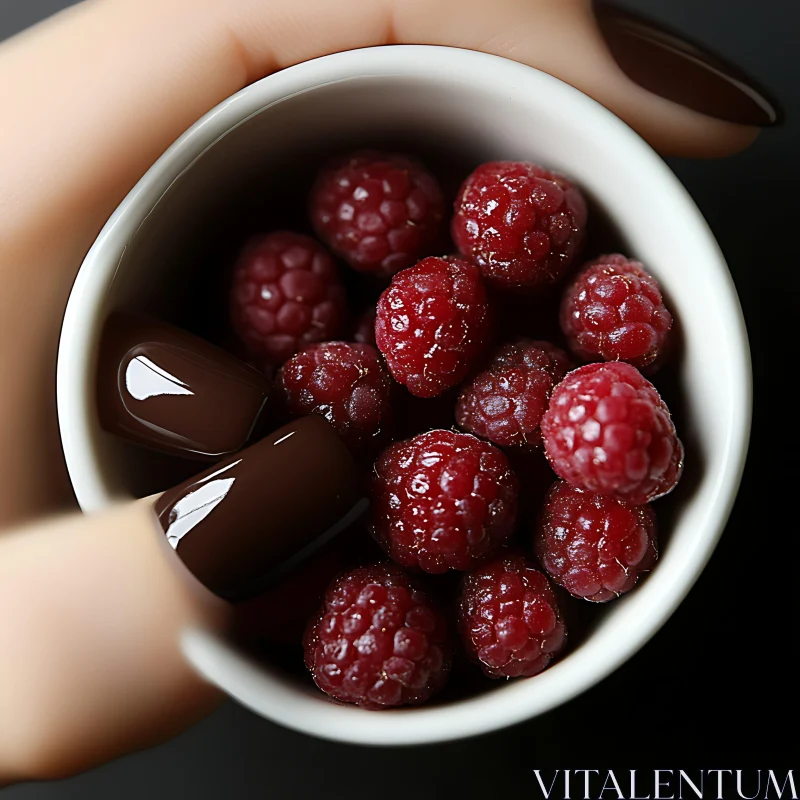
<point>435,344</point>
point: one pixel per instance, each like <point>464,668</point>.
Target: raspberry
<point>508,619</point>
<point>613,311</point>
<point>607,430</point>
<point>522,224</point>
<point>442,500</point>
<point>380,212</point>
<point>364,327</point>
<point>345,383</point>
<point>286,293</point>
<point>595,546</point>
<point>505,402</point>
<point>432,323</point>
<point>378,641</point>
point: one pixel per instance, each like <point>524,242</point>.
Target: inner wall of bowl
<point>256,176</point>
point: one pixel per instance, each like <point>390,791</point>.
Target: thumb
<point>94,606</point>
<point>92,612</point>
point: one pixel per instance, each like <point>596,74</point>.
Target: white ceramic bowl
<point>485,108</point>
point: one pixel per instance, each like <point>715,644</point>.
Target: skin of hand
<point>91,98</point>
<point>93,609</point>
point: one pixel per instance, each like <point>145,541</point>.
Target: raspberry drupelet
<point>345,383</point>
<point>613,311</point>
<point>505,402</point>
<point>608,431</point>
<point>522,224</point>
<point>509,621</point>
<point>380,212</point>
<point>378,640</point>
<point>594,546</point>
<point>442,500</point>
<point>432,323</point>
<point>286,293</point>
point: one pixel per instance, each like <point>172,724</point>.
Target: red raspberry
<point>380,212</point>
<point>613,311</point>
<point>286,293</point>
<point>593,545</point>
<point>378,640</point>
<point>345,383</point>
<point>442,500</point>
<point>607,430</point>
<point>364,327</point>
<point>508,619</point>
<point>432,323</point>
<point>522,224</point>
<point>505,402</point>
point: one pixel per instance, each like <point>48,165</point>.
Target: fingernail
<point>244,522</point>
<point>163,388</point>
<point>666,63</point>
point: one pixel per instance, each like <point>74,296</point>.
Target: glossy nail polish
<point>163,388</point>
<point>243,523</point>
<point>667,64</point>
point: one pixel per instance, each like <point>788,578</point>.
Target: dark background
<point>718,685</point>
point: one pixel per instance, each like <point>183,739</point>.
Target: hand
<point>91,98</point>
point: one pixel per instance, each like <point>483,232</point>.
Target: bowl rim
<point>290,705</point>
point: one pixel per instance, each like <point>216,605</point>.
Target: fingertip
<point>729,142</point>
<point>743,137</point>
<point>686,134</point>
<point>687,100</point>
<point>671,128</point>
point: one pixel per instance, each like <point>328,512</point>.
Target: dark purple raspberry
<point>378,641</point>
<point>280,614</point>
<point>286,293</point>
<point>535,476</point>
<point>505,402</point>
<point>613,311</point>
<point>509,621</point>
<point>442,500</point>
<point>608,431</point>
<point>419,415</point>
<point>364,328</point>
<point>593,545</point>
<point>345,383</point>
<point>380,212</point>
<point>522,224</point>
<point>432,323</point>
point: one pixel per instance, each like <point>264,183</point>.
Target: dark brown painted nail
<point>165,389</point>
<point>244,522</point>
<point>666,63</point>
